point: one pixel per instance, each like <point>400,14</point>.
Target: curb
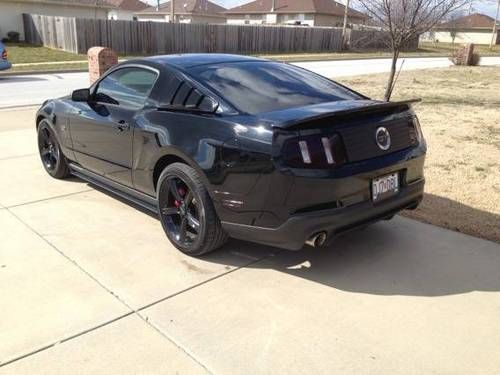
<point>22,106</point>
<point>37,72</point>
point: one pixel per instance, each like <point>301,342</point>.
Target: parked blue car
<point>4,63</point>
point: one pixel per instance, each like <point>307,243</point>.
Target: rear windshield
<point>256,87</point>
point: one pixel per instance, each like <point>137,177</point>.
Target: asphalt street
<point>34,89</point>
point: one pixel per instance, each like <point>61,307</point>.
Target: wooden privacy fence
<point>146,38</point>
<point>129,37</point>
<point>50,31</point>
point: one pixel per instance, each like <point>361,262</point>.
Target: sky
<point>483,6</point>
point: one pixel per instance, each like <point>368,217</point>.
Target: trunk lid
<point>328,134</point>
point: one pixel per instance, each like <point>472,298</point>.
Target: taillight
<point>4,54</point>
<point>415,132</point>
<point>314,151</point>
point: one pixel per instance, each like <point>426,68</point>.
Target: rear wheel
<point>186,211</point>
<point>53,160</point>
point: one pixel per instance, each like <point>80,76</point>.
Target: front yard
<point>46,59</point>
<point>460,117</point>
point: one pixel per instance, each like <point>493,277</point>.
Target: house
<point>125,9</point>
<point>475,28</point>
<point>186,11</point>
<point>294,12</point>
<point>11,11</point>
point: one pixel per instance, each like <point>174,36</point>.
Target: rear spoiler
<point>346,112</point>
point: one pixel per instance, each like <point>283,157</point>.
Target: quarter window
<point>127,87</point>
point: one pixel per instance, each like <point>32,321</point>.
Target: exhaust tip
<point>317,240</point>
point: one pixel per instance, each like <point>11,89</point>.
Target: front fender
<point>53,112</point>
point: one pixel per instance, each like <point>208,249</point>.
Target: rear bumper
<point>293,233</point>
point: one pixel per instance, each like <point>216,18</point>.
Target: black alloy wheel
<point>186,211</point>
<point>180,212</point>
<point>49,152</point>
<point>52,158</point>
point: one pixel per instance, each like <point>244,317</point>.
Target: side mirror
<point>82,95</point>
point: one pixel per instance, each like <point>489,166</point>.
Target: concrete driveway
<point>89,284</point>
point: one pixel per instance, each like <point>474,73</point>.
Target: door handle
<point>122,125</point>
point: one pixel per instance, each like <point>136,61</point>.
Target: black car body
<point>286,156</point>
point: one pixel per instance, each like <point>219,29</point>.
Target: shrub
<point>13,36</point>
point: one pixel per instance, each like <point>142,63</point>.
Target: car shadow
<point>386,259</point>
<point>448,213</point>
<point>397,257</point>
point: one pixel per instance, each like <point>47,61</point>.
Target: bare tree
<point>406,20</point>
<point>453,25</point>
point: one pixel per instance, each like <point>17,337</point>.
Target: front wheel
<point>186,211</point>
<point>53,159</point>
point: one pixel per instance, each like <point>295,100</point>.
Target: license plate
<point>385,186</point>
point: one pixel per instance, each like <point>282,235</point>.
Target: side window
<point>127,87</point>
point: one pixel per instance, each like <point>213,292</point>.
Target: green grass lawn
<point>21,53</point>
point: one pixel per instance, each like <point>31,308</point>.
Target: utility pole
<point>344,28</point>
<point>157,5</point>
<point>172,11</point>
<point>494,32</point>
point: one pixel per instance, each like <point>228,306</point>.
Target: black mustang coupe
<point>231,146</point>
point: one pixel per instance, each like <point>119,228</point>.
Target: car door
<point>102,129</point>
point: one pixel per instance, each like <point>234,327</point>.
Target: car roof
<point>189,60</point>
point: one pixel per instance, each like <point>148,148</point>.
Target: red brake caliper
<point>182,193</point>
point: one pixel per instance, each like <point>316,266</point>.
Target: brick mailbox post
<point>464,55</point>
<point>100,60</point>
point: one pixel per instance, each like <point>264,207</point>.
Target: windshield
<point>256,87</point>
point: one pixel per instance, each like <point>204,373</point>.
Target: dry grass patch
<point>460,117</point>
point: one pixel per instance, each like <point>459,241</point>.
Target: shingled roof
<point>473,21</point>
<point>201,7</point>
<point>329,7</point>
<point>83,3</point>
<point>130,5</point>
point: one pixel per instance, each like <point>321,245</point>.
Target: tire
<point>53,160</point>
<point>186,211</point>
